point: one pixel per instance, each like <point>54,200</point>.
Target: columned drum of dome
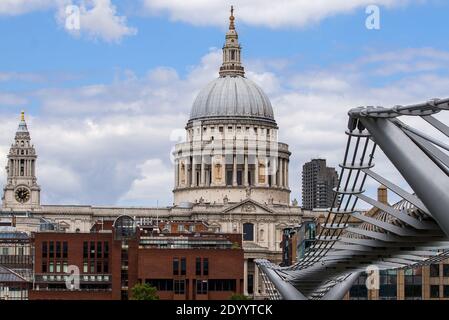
<point>231,151</point>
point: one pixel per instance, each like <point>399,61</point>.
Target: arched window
<point>248,232</point>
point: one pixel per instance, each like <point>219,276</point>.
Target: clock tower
<point>21,191</point>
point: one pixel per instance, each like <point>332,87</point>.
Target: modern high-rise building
<point>318,180</point>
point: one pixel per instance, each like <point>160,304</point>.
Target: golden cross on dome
<point>22,116</point>
<point>231,19</point>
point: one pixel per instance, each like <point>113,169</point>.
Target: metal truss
<point>410,233</point>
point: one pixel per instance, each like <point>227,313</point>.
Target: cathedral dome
<point>232,97</point>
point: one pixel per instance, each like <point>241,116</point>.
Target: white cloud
<point>260,12</point>
<point>146,189</point>
<point>11,99</point>
<point>18,7</point>
<point>99,20</point>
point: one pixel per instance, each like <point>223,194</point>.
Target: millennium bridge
<point>409,233</point>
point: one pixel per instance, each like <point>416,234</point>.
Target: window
<point>58,249</point>
<point>85,267</point>
<point>248,232</point>
<point>106,250</point>
<point>175,266</point>
<point>201,287</point>
<point>220,129</point>
<point>413,284</point>
<point>388,285</point>
<point>179,286</point>
<point>52,249</point>
<point>434,291</point>
<point>239,178</point>
<point>434,270</point>
<point>229,177</point>
<point>445,270</point>
<point>198,266</point>
<point>205,266</point>
<point>223,285</point>
<point>161,284</point>
<point>445,291</point>
<point>85,249</point>
<point>92,267</point>
<point>99,249</point>
<point>358,290</point>
<point>183,266</point>
<point>51,267</point>
<point>180,227</point>
<point>106,266</point>
<point>65,267</point>
<point>99,267</point>
<point>192,228</point>
<point>5,251</point>
<point>44,249</point>
<point>92,250</point>
<point>65,249</point>
<point>44,266</point>
<point>58,267</point>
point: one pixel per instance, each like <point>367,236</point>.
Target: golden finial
<point>22,116</point>
<point>231,19</point>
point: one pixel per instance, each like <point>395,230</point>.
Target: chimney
<point>382,194</point>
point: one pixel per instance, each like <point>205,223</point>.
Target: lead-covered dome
<point>232,96</point>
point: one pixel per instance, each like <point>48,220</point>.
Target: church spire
<point>232,65</point>
<point>21,191</point>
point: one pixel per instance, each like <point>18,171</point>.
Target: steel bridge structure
<point>412,232</point>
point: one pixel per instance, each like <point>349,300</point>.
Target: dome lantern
<point>232,65</point>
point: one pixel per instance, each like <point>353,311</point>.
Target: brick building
<point>192,264</point>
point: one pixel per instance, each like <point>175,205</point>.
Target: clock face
<point>22,194</point>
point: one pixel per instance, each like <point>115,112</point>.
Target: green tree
<point>235,245</point>
<point>144,292</point>
<point>237,296</point>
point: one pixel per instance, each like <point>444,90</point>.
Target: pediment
<point>248,207</point>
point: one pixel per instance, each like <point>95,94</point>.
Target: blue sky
<point>126,80</point>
